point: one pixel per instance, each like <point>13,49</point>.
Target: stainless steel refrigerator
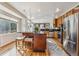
<point>70,34</point>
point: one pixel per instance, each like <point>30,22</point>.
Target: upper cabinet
<point>55,22</point>
<point>59,21</point>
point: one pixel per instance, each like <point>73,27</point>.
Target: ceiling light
<point>56,16</point>
<point>32,17</point>
<point>28,21</point>
<point>28,17</point>
<point>38,10</point>
<point>57,10</point>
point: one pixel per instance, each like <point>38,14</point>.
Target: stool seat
<point>28,39</point>
<point>19,38</point>
<point>19,42</point>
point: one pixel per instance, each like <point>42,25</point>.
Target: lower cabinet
<point>39,42</point>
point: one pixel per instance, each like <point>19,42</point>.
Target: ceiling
<point>42,10</point>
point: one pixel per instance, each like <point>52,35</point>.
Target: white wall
<point>19,19</point>
<point>8,37</point>
<point>23,24</point>
<point>44,21</point>
<point>9,11</point>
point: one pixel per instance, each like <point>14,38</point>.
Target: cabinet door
<point>39,42</point>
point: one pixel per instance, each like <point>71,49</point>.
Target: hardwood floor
<point>32,53</point>
<point>6,47</point>
<point>58,43</point>
<point>27,51</point>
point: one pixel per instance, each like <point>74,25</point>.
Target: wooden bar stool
<point>19,42</point>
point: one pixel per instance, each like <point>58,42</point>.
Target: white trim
<point>8,33</point>
<point>9,18</point>
<point>8,10</point>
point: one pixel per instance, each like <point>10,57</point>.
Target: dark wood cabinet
<point>28,34</point>
<point>39,42</point>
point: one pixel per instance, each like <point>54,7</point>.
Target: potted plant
<point>36,29</point>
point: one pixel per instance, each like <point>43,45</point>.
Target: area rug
<point>54,49</point>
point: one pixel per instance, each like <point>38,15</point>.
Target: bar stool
<point>28,42</point>
<point>19,42</point>
<point>28,38</point>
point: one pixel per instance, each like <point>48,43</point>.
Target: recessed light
<point>38,10</point>
<point>28,21</point>
<point>57,10</point>
<point>56,16</point>
<point>32,17</point>
<point>28,17</point>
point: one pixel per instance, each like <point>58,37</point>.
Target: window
<point>7,26</point>
<point>13,27</point>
